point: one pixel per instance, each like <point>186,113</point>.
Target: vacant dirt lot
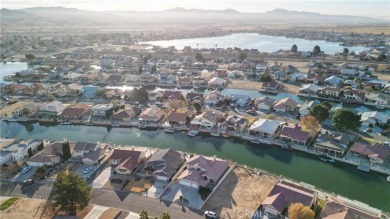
<point>8,110</point>
<point>242,190</point>
<point>244,84</point>
<point>24,208</point>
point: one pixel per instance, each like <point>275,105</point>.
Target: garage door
<point>190,184</point>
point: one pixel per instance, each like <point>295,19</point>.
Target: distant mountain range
<point>177,16</point>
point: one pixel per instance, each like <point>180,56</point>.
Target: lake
<point>263,43</point>
<point>371,188</point>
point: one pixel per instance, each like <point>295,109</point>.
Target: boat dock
<point>364,168</point>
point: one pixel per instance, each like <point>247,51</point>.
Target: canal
<point>371,188</point>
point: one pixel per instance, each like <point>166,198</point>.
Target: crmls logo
<point>250,214</point>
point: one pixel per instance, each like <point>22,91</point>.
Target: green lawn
<point>7,203</point>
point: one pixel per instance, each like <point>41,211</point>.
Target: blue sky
<point>347,7</point>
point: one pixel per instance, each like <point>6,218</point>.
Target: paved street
<point>105,197</point>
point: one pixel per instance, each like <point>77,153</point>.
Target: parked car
<point>5,98</point>
<point>28,181</point>
<point>210,214</point>
<point>88,169</point>
<point>25,169</point>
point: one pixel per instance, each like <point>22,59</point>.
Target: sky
<point>378,9</point>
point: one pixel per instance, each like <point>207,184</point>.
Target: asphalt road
<point>106,197</point>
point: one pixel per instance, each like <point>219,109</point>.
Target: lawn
<point>7,203</point>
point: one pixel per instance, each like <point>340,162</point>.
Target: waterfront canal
<point>371,188</point>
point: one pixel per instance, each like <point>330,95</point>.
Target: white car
<point>26,169</point>
<point>88,169</point>
<point>210,214</point>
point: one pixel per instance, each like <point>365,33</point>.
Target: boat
<point>192,133</point>
<point>255,141</point>
<point>65,123</point>
<point>143,127</point>
<point>326,159</point>
<point>169,130</point>
<point>215,133</point>
<point>388,179</point>
<point>225,135</point>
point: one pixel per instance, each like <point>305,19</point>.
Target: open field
<point>6,111</point>
<point>80,214</point>
<point>241,190</point>
<point>24,208</point>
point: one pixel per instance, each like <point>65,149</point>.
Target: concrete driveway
<point>176,190</point>
<point>20,177</point>
<point>96,211</point>
<point>156,189</point>
<point>102,178</point>
<point>80,171</point>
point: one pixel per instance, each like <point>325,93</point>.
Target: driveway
<point>175,190</point>
<point>96,211</point>
<point>102,178</point>
<point>81,168</point>
<point>20,177</point>
<point>156,189</point>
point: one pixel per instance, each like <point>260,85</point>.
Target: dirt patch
<point>110,213</point>
<point>242,189</point>
<point>139,186</point>
<point>8,110</point>
<point>24,208</point>
<point>290,88</point>
<point>244,84</point>
<point>80,214</point>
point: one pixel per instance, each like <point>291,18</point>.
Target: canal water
<point>340,178</point>
<point>10,68</point>
<point>263,43</point>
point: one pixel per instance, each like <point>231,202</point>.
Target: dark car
<point>28,181</point>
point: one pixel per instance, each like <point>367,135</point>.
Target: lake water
<point>344,179</point>
<point>263,43</point>
<point>10,68</point>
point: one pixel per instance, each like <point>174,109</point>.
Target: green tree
<point>139,94</point>
<point>344,120</point>
<point>71,193</point>
<point>294,48</point>
<point>50,98</point>
<point>199,57</point>
<point>320,112</point>
<point>30,56</point>
<point>299,211</point>
<point>65,151</point>
<point>382,57</point>
<point>242,56</point>
<point>327,105</point>
<point>143,215</point>
<point>266,76</point>
<point>197,107</point>
<point>41,171</point>
<point>154,69</point>
<point>26,111</point>
<point>30,153</point>
<point>316,50</point>
<point>165,215</point>
<point>345,50</point>
<point>40,146</point>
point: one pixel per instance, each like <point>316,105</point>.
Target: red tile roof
<point>294,132</point>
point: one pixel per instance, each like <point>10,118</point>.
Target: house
<point>386,89</point>
<point>115,78</point>
<point>264,103</point>
<point>147,78</point>
<point>285,105</point>
<point>81,149</point>
<point>378,153</point>
<point>330,91</point>
<point>281,75</point>
<point>125,115</point>
<point>203,172</point>
<point>126,161</point>
<point>167,79</point>
<point>270,86</point>
<point>94,157</point>
<point>335,143</point>
<point>294,133</point>
<point>217,82</point>
<point>214,98</point>
<point>49,156</point>
<point>284,194</point>
<point>73,89</point>
<point>240,100</point>
<point>199,81</point>
<point>100,110</point>
<point>223,72</point>
<point>194,98</point>
<point>54,108</point>
<point>19,151</point>
<point>165,163</point>
<point>76,113</point>
<point>333,81</point>
<point>89,91</point>
<point>234,123</point>
<point>348,72</point>
<point>305,108</point>
<point>265,127</point>
<point>184,81</point>
<point>374,118</point>
<point>207,120</point>
<point>314,79</point>
<point>309,89</point>
<point>172,95</point>
<point>378,99</point>
<point>354,95</point>
<point>179,118</point>
<point>132,78</point>
<point>337,209</point>
<point>151,114</point>
<point>154,95</point>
